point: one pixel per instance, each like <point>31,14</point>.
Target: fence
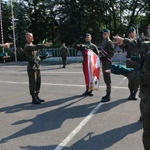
<point>76,56</point>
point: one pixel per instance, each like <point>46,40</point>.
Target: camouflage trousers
<point>107,77</point>
<point>145,111</point>
<point>133,81</point>
<point>34,80</point>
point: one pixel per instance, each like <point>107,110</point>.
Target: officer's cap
<point>106,31</point>
<point>131,30</point>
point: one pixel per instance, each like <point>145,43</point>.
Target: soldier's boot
<point>134,96</point>
<point>131,95</point>
<point>38,98</point>
<point>86,91</point>
<point>90,93</point>
<point>107,97</point>
<point>35,100</point>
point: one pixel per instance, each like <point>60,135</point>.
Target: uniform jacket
<point>64,51</point>
<point>108,47</point>
<point>31,53</point>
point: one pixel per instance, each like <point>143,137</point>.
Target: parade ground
<point>66,120</point>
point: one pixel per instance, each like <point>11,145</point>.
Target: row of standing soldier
<point>107,51</point>
<point>139,76</point>
<point>139,72</point>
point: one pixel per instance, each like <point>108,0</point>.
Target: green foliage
<point>67,20</point>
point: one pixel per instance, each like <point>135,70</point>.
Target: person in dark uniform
<point>144,48</point>
<point>64,52</point>
<point>107,52</point>
<point>145,96</point>
<point>132,49</point>
<point>33,68</point>
<point>82,47</point>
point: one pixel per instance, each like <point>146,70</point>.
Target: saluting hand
<point>118,39</point>
<point>6,45</point>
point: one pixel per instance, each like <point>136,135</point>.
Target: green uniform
<point>33,67</point>
<point>145,100</point>
<point>145,47</point>
<point>132,49</point>
<point>82,48</point>
<point>64,53</point>
<point>106,54</point>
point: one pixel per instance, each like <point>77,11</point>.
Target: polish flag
<point>91,69</point>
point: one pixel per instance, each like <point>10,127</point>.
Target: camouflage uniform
<point>132,49</point>
<point>82,48</point>
<point>108,47</point>
<point>33,67</point>
<point>64,53</point>
<point>145,99</point>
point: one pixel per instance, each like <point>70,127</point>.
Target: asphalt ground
<point>66,120</point>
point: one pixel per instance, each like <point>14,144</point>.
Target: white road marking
<point>43,72</point>
<point>78,128</point>
<point>59,84</point>
<point>84,122</point>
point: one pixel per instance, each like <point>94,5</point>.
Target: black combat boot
<point>35,100</point>
<point>90,93</point>
<point>106,98</point>
<point>38,98</point>
<point>131,95</point>
<point>134,96</point>
<point>86,91</point>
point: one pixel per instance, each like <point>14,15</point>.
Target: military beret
<point>106,30</point>
<point>87,34</point>
<point>131,30</point>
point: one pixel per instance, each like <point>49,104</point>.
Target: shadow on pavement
<point>106,139</point>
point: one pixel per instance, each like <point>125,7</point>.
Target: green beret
<point>131,30</point>
<point>106,30</point>
<point>87,34</point>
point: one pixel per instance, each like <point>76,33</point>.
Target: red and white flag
<point>91,69</point>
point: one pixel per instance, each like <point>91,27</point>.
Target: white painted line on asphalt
<point>78,128</point>
<point>42,72</point>
<point>57,84</point>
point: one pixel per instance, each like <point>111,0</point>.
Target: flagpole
<point>1,24</point>
<point>13,27</point>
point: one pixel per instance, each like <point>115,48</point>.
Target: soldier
<point>131,46</point>
<point>144,48</point>
<point>33,67</point>
<point>64,53</point>
<point>107,51</point>
<point>82,48</point>
<point>145,95</point>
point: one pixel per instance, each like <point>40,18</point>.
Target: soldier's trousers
<point>107,78</point>
<point>145,98</point>
<point>34,80</point>
<point>64,60</point>
<point>133,82</point>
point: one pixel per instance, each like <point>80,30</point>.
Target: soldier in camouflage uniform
<point>64,53</point>
<point>82,48</point>
<point>131,46</point>
<point>33,67</point>
<point>145,94</point>
<point>107,51</point>
<point>144,49</point>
